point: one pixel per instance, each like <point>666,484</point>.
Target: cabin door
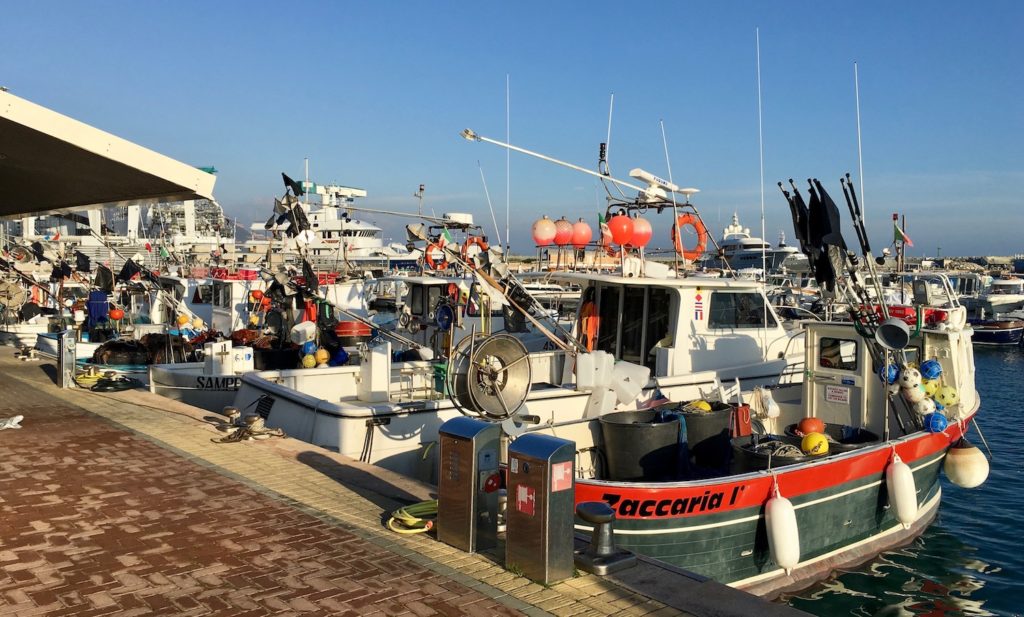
<point>837,362</point>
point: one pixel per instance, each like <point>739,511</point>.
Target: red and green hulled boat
<point>713,507</point>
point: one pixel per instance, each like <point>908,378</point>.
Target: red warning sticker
<point>561,476</point>
<point>526,499</point>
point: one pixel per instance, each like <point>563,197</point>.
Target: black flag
<point>292,184</point>
<point>800,221</point>
<point>82,262</point>
<point>831,233</point>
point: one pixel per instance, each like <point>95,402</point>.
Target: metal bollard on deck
<point>601,557</point>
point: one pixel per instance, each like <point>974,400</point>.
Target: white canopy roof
<point>49,161</point>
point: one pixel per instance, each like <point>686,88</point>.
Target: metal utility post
<point>419,195</point>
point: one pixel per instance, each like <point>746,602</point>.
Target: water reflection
<point>936,575</point>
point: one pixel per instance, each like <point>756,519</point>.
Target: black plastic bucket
<point>640,445</point>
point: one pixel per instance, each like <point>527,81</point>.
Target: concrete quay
<point>121,504</point>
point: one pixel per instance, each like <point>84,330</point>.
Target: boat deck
<point>122,504</point>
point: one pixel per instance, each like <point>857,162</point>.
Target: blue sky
<point>375,94</point>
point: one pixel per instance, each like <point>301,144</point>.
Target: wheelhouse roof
<point>690,282</point>
<point>51,162</point>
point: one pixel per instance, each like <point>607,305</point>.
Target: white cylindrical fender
<point>966,466</point>
<point>899,480</point>
<point>783,533</point>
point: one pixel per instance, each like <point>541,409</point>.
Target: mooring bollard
<point>601,557</point>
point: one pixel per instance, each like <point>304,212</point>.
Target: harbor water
<point>971,560</point>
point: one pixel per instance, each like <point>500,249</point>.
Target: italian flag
<point>444,238</point>
<point>899,236</point>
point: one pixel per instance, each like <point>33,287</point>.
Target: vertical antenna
<point>508,163</point>
<point>760,147</point>
<point>675,209</point>
<point>305,191</point>
<point>608,140</point>
<point>489,206</point>
<point>419,195</point>
<point>860,152</point>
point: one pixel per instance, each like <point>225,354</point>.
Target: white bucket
<point>242,360</point>
<point>303,332</point>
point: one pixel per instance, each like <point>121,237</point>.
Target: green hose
<point>417,518</point>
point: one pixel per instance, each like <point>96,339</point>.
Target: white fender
<point>899,480</point>
<point>966,466</point>
<point>783,533</point>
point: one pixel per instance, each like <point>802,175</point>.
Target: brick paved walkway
<point>98,521</point>
<point>120,504</point>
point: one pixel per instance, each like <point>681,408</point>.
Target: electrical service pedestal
<point>66,357</point>
<point>468,483</point>
<point>539,517</point>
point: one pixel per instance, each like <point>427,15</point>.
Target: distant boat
<point>340,240</point>
<point>743,251</point>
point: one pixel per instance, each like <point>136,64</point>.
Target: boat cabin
<point>678,326</point>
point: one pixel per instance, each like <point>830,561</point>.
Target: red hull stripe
<point>727,494</point>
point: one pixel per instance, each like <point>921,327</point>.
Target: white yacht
<point>341,242</point>
<point>742,251</point>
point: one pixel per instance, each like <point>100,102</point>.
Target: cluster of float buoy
<point>621,229</point>
<point>934,401</point>
<point>561,233</point>
<point>924,390</point>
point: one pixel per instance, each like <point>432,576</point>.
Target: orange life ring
<point>702,236</point>
<point>470,241</point>
<point>589,322</point>
<point>440,264</point>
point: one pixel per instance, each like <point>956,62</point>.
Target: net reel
<point>489,376</point>
<point>12,295</point>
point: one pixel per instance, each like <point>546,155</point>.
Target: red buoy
<point>563,232</point>
<point>543,231</point>
<point>581,234</point>
<point>621,227</point>
<point>642,233</point>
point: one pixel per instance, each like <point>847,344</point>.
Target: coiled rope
<point>417,518</point>
<point>254,428</point>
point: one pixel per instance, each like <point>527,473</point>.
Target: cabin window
<point>608,313</point>
<point>433,297</point>
<point>203,295</point>
<point>416,300</point>
<point>633,324</point>
<point>222,295</point>
<point>659,310</point>
<point>738,309</point>
<point>632,321</point>
<point>838,353</point>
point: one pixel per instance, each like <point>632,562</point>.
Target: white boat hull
<point>189,383</point>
